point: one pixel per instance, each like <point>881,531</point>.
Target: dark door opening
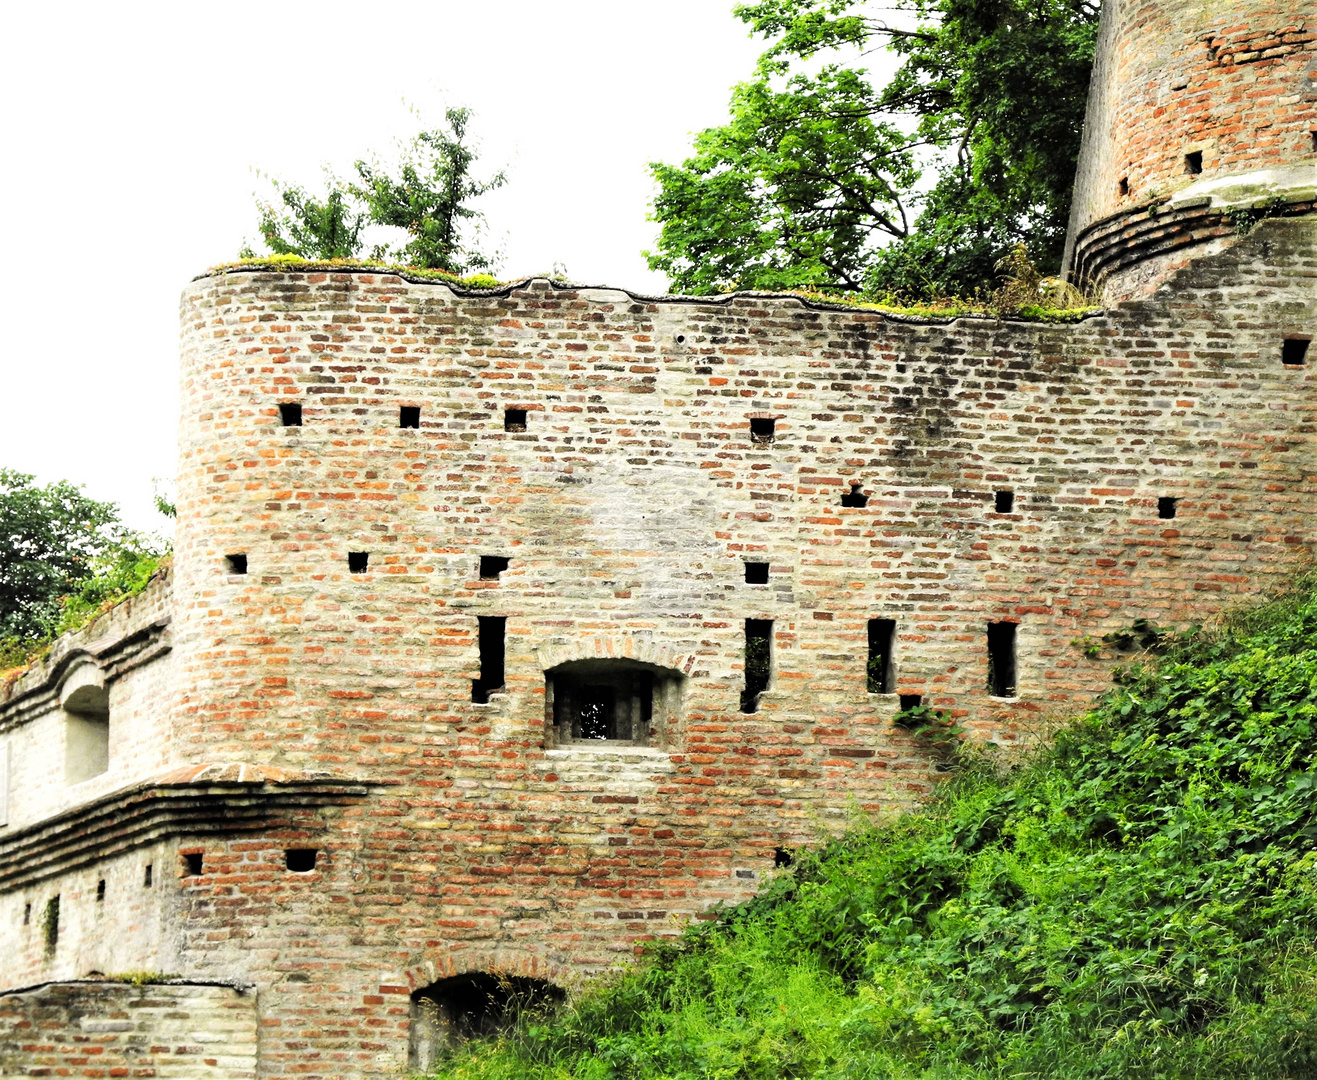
<point>472,1006</point>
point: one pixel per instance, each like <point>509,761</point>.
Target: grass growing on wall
<point>1137,901</point>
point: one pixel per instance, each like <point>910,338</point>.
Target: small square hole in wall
<point>782,857</point>
<point>409,416</point>
<point>290,414</point>
<point>1004,502</point>
<point>192,864</point>
<point>514,419</point>
<point>300,860</point>
<point>146,877</point>
<point>1294,351</point>
<point>357,561</point>
<point>855,498</point>
<point>762,429</point>
<point>1193,163</point>
<point>756,573</point>
<point>1124,185</point>
<point>1166,506</point>
<point>100,891</point>
<point>492,565</point>
<point>910,701</point>
<point>236,564</point>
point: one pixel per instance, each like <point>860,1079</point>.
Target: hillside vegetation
<point>1139,900</point>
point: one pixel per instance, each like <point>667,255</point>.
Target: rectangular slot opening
<point>1294,351</point>
<point>100,891</point>
<point>756,573</point>
<point>192,862</point>
<point>491,641</point>
<point>1001,659</point>
<point>1124,185</point>
<point>27,913</point>
<point>881,669</point>
<point>1193,163</point>
<point>492,565</point>
<point>1166,507</point>
<point>290,414</point>
<point>855,498</point>
<point>358,561</point>
<point>758,662</point>
<point>514,419</point>
<point>910,701</point>
<point>1004,502</point>
<point>409,416</point>
<point>762,429</point>
<point>50,925</point>
<point>300,860</point>
<point>237,564</point>
<point>146,877</point>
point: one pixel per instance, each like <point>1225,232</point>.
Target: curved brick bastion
<point>349,737</point>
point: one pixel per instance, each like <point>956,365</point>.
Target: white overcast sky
<point>131,132</point>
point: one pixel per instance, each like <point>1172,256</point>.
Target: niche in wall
<point>86,705</point>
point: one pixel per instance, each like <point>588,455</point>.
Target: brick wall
<point>110,1029</point>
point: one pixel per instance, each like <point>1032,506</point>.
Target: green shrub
<point>1138,900</point>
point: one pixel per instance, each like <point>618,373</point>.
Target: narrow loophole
<point>492,565</point>
<point>1124,185</point>
<point>1294,351</point>
<point>27,914</point>
<point>290,414</point>
<point>1004,502</point>
<point>758,662</point>
<point>100,891</point>
<point>881,668</point>
<point>756,573</point>
<point>491,638</point>
<point>762,429</point>
<point>1193,163</point>
<point>409,416</point>
<point>514,419</point>
<point>300,860</point>
<point>1166,507</point>
<point>1001,659</point>
<point>358,561</point>
<point>147,875</point>
<point>855,498</point>
<point>192,864</point>
<point>237,564</point>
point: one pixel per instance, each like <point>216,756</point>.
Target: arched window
<point>623,701</point>
<point>471,1006</point>
<point>86,724</point>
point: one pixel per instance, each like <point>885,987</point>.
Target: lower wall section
<point>101,1029</point>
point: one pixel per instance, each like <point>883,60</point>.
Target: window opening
<point>471,1006</point>
<point>492,565</point>
<point>100,891</point>
<point>910,701</point>
<point>300,860</point>
<point>290,414</point>
<point>881,669</point>
<point>490,639</point>
<point>781,857</point>
<point>409,416</point>
<point>1004,502</point>
<point>611,700</point>
<point>1166,507</point>
<point>756,573</point>
<point>514,419</point>
<point>1193,163</point>
<point>237,564</point>
<point>146,877</point>
<point>758,662</point>
<point>1124,185</point>
<point>762,429</point>
<point>1001,659</point>
<point>358,561</point>
<point>1294,351</point>
<point>192,861</point>
<point>50,925</point>
<point>856,497</point>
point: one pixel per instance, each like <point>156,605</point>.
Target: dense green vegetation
<point>1138,900</point>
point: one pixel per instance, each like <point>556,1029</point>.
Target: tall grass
<point>1139,900</point>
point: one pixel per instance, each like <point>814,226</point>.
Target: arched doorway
<point>471,1006</point>
<point>621,701</point>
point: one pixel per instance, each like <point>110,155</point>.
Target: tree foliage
<point>818,178</point>
<point>50,540</point>
<point>430,194</point>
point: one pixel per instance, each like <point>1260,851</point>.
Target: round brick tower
<point>1202,117</point>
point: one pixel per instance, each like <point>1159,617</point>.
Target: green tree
<point>430,196</point>
<point>817,178</point>
<point>50,540</point>
<point>314,228</point>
